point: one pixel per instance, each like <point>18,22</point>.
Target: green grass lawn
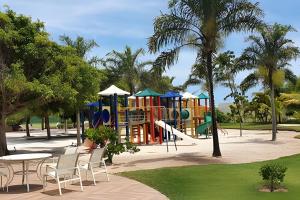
<point>259,126</point>
<point>219,181</point>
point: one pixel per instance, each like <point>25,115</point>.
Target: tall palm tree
<point>201,25</point>
<point>270,53</point>
<point>226,69</point>
<point>82,47</point>
<point>126,66</point>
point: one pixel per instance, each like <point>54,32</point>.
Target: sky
<point>113,24</point>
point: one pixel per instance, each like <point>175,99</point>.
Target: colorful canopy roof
<point>203,96</point>
<point>93,104</point>
<point>188,95</point>
<point>113,90</point>
<point>171,94</point>
<point>148,93</point>
<point>134,96</point>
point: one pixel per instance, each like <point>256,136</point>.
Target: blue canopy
<point>93,104</point>
<point>171,94</point>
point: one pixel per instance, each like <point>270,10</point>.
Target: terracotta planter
<point>89,144</point>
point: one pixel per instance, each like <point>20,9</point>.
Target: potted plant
<point>107,136</point>
<point>91,138</point>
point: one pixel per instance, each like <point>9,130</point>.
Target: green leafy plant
<point>273,174</point>
<point>106,135</point>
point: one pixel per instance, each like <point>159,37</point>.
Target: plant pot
<point>89,144</point>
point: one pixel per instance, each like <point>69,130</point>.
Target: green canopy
<point>148,93</point>
<point>202,96</point>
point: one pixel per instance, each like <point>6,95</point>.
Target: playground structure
<point>149,117</point>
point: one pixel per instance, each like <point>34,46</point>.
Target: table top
<point>26,157</point>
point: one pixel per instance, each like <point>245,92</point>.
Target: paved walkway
<point>117,188</point>
<point>253,146</point>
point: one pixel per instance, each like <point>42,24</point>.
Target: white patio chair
<point>4,173</point>
<point>67,150</point>
<point>96,164</point>
<point>66,168</point>
<point>71,150</point>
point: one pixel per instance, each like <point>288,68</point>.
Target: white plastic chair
<point>3,173</point>
<point>67,150</point>
<point>71,150</point>
<point>66,168</point>
<point>96,164</point>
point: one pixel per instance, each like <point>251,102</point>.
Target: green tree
<point>201,25</point>
<point>82,47</point>
<point>227,67</point>
<point>270,53</point>
<point>84,77</point>
<point>19,84</point>
<point>125,67</point>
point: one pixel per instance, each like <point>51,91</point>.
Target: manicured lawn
<point>219,182</point>
<point>259,126</point>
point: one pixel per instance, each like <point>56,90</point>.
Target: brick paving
<point>117,188</point>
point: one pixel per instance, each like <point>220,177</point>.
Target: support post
<point>137,102</point>
<point>126,117</point>
<point>180,111</point>
<point>159,118</point>
<point>152,130</point>
<point>116,116</point>
<point>100,109</point>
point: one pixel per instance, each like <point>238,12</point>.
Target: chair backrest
<point>71,150</point>
<point>66,163</point>
<point>3,169</point>
<point>97,155</point>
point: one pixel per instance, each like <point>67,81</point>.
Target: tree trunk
<point>274,131</point>
<point>216,146</point>
<point>78,127</point>
<point>47,126</point>
<point>66,126</point>
<point>43,123</point>
<point>241,131</point>
<point>241,121</point>
<point>3,143</point>
<point>27,126</point>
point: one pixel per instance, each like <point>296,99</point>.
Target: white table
<point>25,159</point>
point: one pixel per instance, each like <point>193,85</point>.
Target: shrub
<point>273,174</point>
<point>106,135</point>
<point>222,117</point>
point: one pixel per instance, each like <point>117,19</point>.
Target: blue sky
<point>116,23</point>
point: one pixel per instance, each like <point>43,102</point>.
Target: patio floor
<point>117,188</point>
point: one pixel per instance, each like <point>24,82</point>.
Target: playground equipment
<point>203,129</point>
<point>176,132</point>
<point>145,103</point>
<point>149,117</point>
<point>111,114</point>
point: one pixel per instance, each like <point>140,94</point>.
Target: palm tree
<point>201,25</point>
<point>227,66</point>
<point>82,47</point>
<point>269,53</point>
<point>126,66</point>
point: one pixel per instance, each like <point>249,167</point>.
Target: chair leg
<point>6,184</point>
<point>80,181</point>
<point>65,183</point>
<point>105,170</point>
<point>1,184</point>
<point>58,183</point>
<point>93,175</point>
<point>44,182</point>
